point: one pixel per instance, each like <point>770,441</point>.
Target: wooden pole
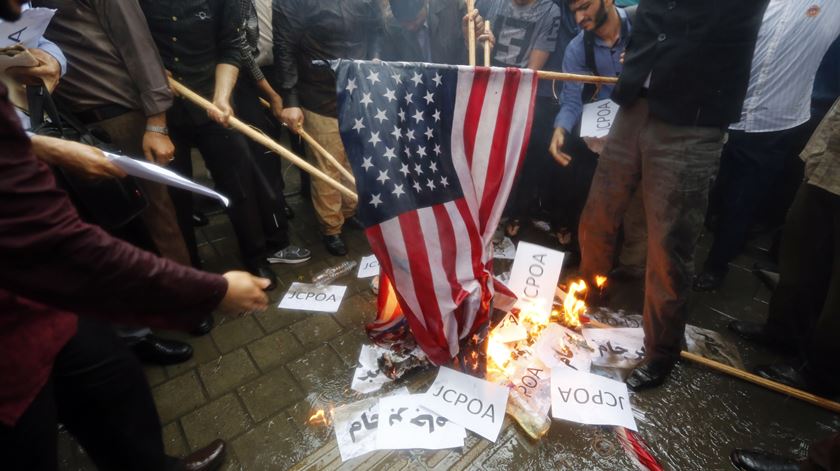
<point>487,47</point>
<point>262,139</point>
<point>318,147</point>
<point>471,33</point>
<point>755,379</point>
<point>546,75</point>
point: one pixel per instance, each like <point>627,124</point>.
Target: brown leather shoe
<point>209,458</point>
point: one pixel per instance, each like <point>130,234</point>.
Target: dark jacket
<point>445,34</point>
<point>698,54</point>
<point>307,33</point>
<point>53,266</point>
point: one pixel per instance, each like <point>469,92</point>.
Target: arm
<point>226,75</point>
<point>47,72</point>
<point>75,157</point>
<point>288,26</point>
<point>546,41</point>
<point>53,50</point>
<point>571,105</point>
<point>537,59</point>
<point>126,26</point>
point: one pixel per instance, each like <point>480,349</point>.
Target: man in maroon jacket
<point>58,363</point>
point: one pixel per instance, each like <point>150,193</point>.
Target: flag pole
<point>547,75</point>
<point>262,139</point>
<point>471,33</point>
<point>487,47</point>
<point>318,147</point>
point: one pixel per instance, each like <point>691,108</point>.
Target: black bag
<point>109,202</point>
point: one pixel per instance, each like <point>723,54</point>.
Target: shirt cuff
<point>156,101</point>
<point>53,50</point>
<point>290,98</point>
<point>564,120</point>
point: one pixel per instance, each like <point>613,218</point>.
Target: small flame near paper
<point>320,417</point>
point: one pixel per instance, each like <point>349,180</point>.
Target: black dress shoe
<point>335,245</point>
<point>708,281</point>
<point>263,270</point>
<point>752,460</point>
<point>199,219</point>
<point>650,374</point>
<point>152,349</point>
<point>209,458</point>
<point>627,273</point>
<point>204,327</point>
<point>756,332</point>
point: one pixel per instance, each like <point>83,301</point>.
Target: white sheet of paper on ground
<point>597,118</point>
<point>509,330</point>
<point>616,348</point>
<point>474,403</point>
<point>587,398</point>
<point>534,276</point>
<point>368,377</point>
<point>309,297</point>
<point>27,30</point>
<point>561,347</point>
<point>504,250</point>
<point>405,423</point>
<point>355,426</point>
<point>156,173</point>
<point>368,267</point>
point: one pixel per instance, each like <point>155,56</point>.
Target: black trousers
<point>99,392</point>
<point>750,164</point>
<point>806,303</point>
<point>228,157</point>
<point>270,175</point>
<point>566,194</point>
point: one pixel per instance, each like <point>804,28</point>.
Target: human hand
<point>621,58</point>
<point>595,144</point>
<point>479,30</point>
<point>244,294</point>
<point>556,147</point>
<point>221,112</point>
<point>292,117</point>
<point>48,71</point>
<point>80,159</point>
<point>158,148</point>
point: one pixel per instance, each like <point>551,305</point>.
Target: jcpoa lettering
<point>584,396</point>
<point>473,405</point>
<point>308,296</point>
<point>604,113</point>
<point>535,272</point>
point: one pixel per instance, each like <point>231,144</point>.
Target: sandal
<point>512,227</point>
<point>564,236</point>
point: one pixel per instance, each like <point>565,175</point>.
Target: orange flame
<point>573,306</point>
<point>600,281</point>
<point>318,418</point>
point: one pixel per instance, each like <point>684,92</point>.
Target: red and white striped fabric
<point>438,256</point>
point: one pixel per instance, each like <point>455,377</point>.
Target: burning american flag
<point>435,150</point>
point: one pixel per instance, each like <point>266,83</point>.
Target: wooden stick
<point>318,147</point>
<point>262,139</point>
<point>487,47</point>
<point>546,75</point>
<point>755,379</point>
<point>471,33</point>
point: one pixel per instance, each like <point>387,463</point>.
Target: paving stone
<point>270,445</point>
<point>203,351</point>
<point>275,349</point>
<point>269,393</point>
<point>155,374</point>
<point>274,319</point>
<point>235,333</point>
<point>173,440</point>
<point>317,367</point>
<point>223,418</point>
<point>228,372</point>
<point>349,344</point>
<point>356,312</point>
<point>315,329</point>
<point>178,396</point>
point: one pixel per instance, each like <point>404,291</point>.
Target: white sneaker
<point>291,254</point>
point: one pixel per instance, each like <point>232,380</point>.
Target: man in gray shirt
<point>525,31</point>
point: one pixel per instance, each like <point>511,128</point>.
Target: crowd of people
<point>729,119</point>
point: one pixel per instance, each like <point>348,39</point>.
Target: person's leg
<point>182,200</point>
<point>104,400</point>
<point>823,455</point>
<point>615,181</point>
<point>634,248</point>
<point>31,444</point>
<point>677,164</point>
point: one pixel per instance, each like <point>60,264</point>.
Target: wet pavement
<point>255,381</point>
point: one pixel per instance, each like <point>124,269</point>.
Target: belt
<point>101,113</point>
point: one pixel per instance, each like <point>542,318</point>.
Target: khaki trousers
<point>331,207</point>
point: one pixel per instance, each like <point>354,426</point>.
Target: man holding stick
<point>684,79</point>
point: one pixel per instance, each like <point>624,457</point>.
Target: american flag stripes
<point>435,150</point>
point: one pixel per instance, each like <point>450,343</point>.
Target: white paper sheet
<point>28,29</point>
<point>368,378</point>
<point>561,347</point>
<point>534,276</point>
<point>474,403</point>
<point>368,267</point>
<point>597,118</point>
<point>504,249</point>
<point>509,330</point>
<point>586,398</point>
<point>156,173</point>
<point>405,424</point>
<point>616,348</point>
<point>355,426</point>
<point>309,297</point>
